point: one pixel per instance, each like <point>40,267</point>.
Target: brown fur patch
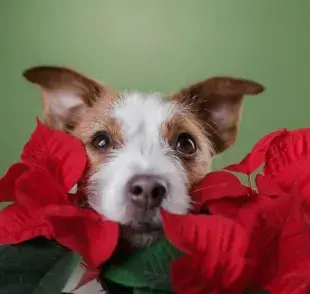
<point>97,119</point>
<point>197,166</point>
<point>60,78</point>
<point>61,81</point>
<point>217,104</point>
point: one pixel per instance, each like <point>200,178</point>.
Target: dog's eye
<point>101,140</point>
<point>186,145</point>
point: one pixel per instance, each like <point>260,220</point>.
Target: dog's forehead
<point>140,113</point>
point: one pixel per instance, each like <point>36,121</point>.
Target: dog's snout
<point>147,191</point>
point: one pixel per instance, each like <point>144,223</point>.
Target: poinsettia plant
<point>237,239</point>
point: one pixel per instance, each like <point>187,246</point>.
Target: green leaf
<point>4,204</point>
<point>59,275</point>
<point>149,268</point>
<point>113,288</point>
<point>38,266</point>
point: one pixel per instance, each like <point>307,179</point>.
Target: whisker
<point>211,186</point>
<point>193,201</point>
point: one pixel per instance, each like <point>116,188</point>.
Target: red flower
<point>293,255</point>
<point>287,164</point>
<point>285,156</point>
<point>7,183</point>
<point>222,194</point>
<point>223,250</point>
<point>216,186</point>
<point>254,239</point>
<point>288,160</point>
<point>52,162</point>
<point>215,260</point>
<point>256,157</point>
<point>286,182</point>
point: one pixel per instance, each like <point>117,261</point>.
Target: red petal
<point>256,157</point>
<point>193,283</point>
<point>295,237</point>
<point>266,186</point>
<point>291,283</point>
<point>288,157</point>
<point>244,166</point>
<point>304,187</point>
<point>7,182</point>
<point>47,146</point>
<point>226,276</point>
<point>36,188</point>
<point>229,207</point>
<point>201,233</point>
<point>261,219</point>
<point>217,185</point>
<point>293,255</point>
<point>18,225</point>
<point>85,232</point>
<point>241,237</point>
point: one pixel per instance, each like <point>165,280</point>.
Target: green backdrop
<point>159,45</point>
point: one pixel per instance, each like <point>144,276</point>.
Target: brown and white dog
<point>144,150</point>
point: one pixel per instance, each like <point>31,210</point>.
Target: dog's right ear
<point>217,103</point>
<point>66,94</point>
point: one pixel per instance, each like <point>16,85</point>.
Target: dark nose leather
<point>147,191</point>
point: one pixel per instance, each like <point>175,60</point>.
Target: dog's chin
<point>139,237</point>
<point>143,229</point>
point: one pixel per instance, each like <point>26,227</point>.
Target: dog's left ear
<point>66,94</point>
<point>217,104</point>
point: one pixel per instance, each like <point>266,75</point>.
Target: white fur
<point>61,102</point>
<point>145,151</point>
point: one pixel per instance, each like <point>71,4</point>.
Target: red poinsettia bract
<point>52,162</point>
<point>250,239</point>
<point>215,258</point>
<point>253,238</point>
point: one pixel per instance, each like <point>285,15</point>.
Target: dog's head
<point>144,150</point>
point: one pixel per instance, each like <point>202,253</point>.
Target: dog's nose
<point>147,191</point>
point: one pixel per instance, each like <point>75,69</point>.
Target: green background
<point>159,45</point>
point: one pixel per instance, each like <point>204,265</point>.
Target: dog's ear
<point>65,94</point>
<point>217,104</point>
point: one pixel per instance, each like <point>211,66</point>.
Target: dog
<point>145,150</point>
